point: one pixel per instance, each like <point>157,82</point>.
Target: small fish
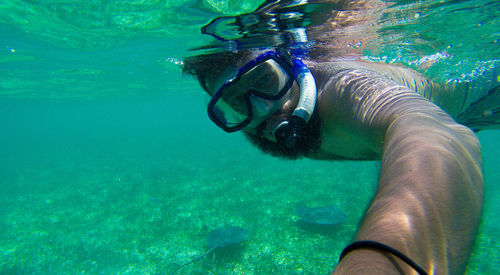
<point>221,237</point>
<point>323,215</point>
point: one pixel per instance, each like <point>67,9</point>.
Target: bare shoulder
<point>359,100</point>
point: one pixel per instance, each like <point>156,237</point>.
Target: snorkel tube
<point>290,132</point>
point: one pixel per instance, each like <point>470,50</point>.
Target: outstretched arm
<point>429,197</point>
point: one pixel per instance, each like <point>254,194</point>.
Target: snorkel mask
<point>257,90</point>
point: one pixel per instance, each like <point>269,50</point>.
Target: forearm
<point>429,196</point>
<point>428,201</point>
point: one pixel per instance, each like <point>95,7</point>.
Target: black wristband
<point>384,248</point>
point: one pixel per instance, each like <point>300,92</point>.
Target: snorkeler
<point>426,211</point>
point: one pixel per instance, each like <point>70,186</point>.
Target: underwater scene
<point>109,163</point>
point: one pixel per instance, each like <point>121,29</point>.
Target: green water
<point>109,164</point>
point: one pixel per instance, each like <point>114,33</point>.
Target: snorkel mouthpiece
<point>289,133</point>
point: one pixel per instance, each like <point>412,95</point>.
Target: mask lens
<point>228,116</point>
<point>266,79</point>
<point>231,107</point>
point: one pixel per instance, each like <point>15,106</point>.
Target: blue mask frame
<point>213,111</point>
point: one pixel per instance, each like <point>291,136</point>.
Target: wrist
<point>368,261</point>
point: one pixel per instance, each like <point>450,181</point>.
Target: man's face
<point>249,94</point>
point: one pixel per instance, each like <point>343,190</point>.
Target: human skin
<point>430,191</point>
<point>429,195</point>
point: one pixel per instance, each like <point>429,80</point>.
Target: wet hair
<point>207,67</point>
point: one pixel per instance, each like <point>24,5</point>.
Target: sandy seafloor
<point>133,187</point>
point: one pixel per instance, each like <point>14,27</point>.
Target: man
<point>425,214</point>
